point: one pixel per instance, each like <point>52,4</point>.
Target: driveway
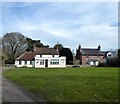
<point>14,93</point>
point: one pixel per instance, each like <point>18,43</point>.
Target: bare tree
<point>14,44</point>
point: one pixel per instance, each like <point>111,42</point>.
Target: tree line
<point>15,43</point>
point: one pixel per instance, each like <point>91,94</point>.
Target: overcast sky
<point>69,23</point>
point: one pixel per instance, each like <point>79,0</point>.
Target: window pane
<point>20,62</point>
<point>54,61</point>
<point>41,62</point>
<point>25,62</point>
<point>30,62</point>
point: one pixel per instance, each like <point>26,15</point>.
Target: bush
<point>102,65</point>
<point>113,62</point>
<point>9,61</point>
<point>68,54</point>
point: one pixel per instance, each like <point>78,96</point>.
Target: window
<point>41,62</point>
<point>54,61</point>
<point>40,55</point>
<point>37,61</point>
<point>30,62</point>
<point>53,55</point>
<point>109,55</point>
<point>87,60</point>
<point>25,62</point>
<point>20,62</point>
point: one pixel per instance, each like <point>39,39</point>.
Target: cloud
<point>88,24</point>
<point>60,1</point>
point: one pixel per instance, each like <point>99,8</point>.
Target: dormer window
<point>40,55</point>
<point>109,55</point>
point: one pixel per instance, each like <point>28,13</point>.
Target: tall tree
<point>32,42</point>
<point>14,44</point>
<point>118,62</point>
<point>119,53</point>
<point>64,52</point>
<point>68,54</point>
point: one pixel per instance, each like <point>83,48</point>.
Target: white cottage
<point>41,58</point>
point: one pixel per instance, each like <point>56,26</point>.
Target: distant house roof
<point>103,52</point>
<point>90,51</point>
<point>38,51</point>
<point>114,53</point>
<point>27,56</point>
<point>46,51</point>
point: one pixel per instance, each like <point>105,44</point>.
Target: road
<point>14,93</point>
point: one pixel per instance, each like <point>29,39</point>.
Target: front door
<point>46,63</point>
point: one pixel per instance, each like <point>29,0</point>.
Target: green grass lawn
<point>90,84</point>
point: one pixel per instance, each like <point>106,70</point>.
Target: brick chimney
<point>57,48</point>
<point>34,48</point>
<point>79,47</point>
<point>99,47</point>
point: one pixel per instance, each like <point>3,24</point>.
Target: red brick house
<point>89,56</point>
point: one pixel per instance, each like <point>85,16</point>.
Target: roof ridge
<point>28,52</point>
<point>21,55</point>
<point>44,48</point>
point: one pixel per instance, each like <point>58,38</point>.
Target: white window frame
<point>42,61</point>
<point>54,61</point>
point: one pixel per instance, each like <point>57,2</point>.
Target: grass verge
<point>89,84</point>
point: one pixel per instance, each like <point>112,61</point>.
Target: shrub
<point>10,61</point>
<point>102,65</point>
<point>113,62</point>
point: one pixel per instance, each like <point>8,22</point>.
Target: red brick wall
<point>91,58</point>
<point>83,60</point>
<point>101,60</point>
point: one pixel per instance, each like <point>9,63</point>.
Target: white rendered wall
<point>47,56</point>
<point>37,64</point>
<point>23,64</point>
<point>62,61</point>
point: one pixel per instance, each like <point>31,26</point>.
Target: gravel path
<point>14,93</point>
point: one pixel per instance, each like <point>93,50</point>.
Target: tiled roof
<point>104,52</point>
<point>90,51</point>
<point>38,51</point>
<point>46,51</point>
<point>27,56</point>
